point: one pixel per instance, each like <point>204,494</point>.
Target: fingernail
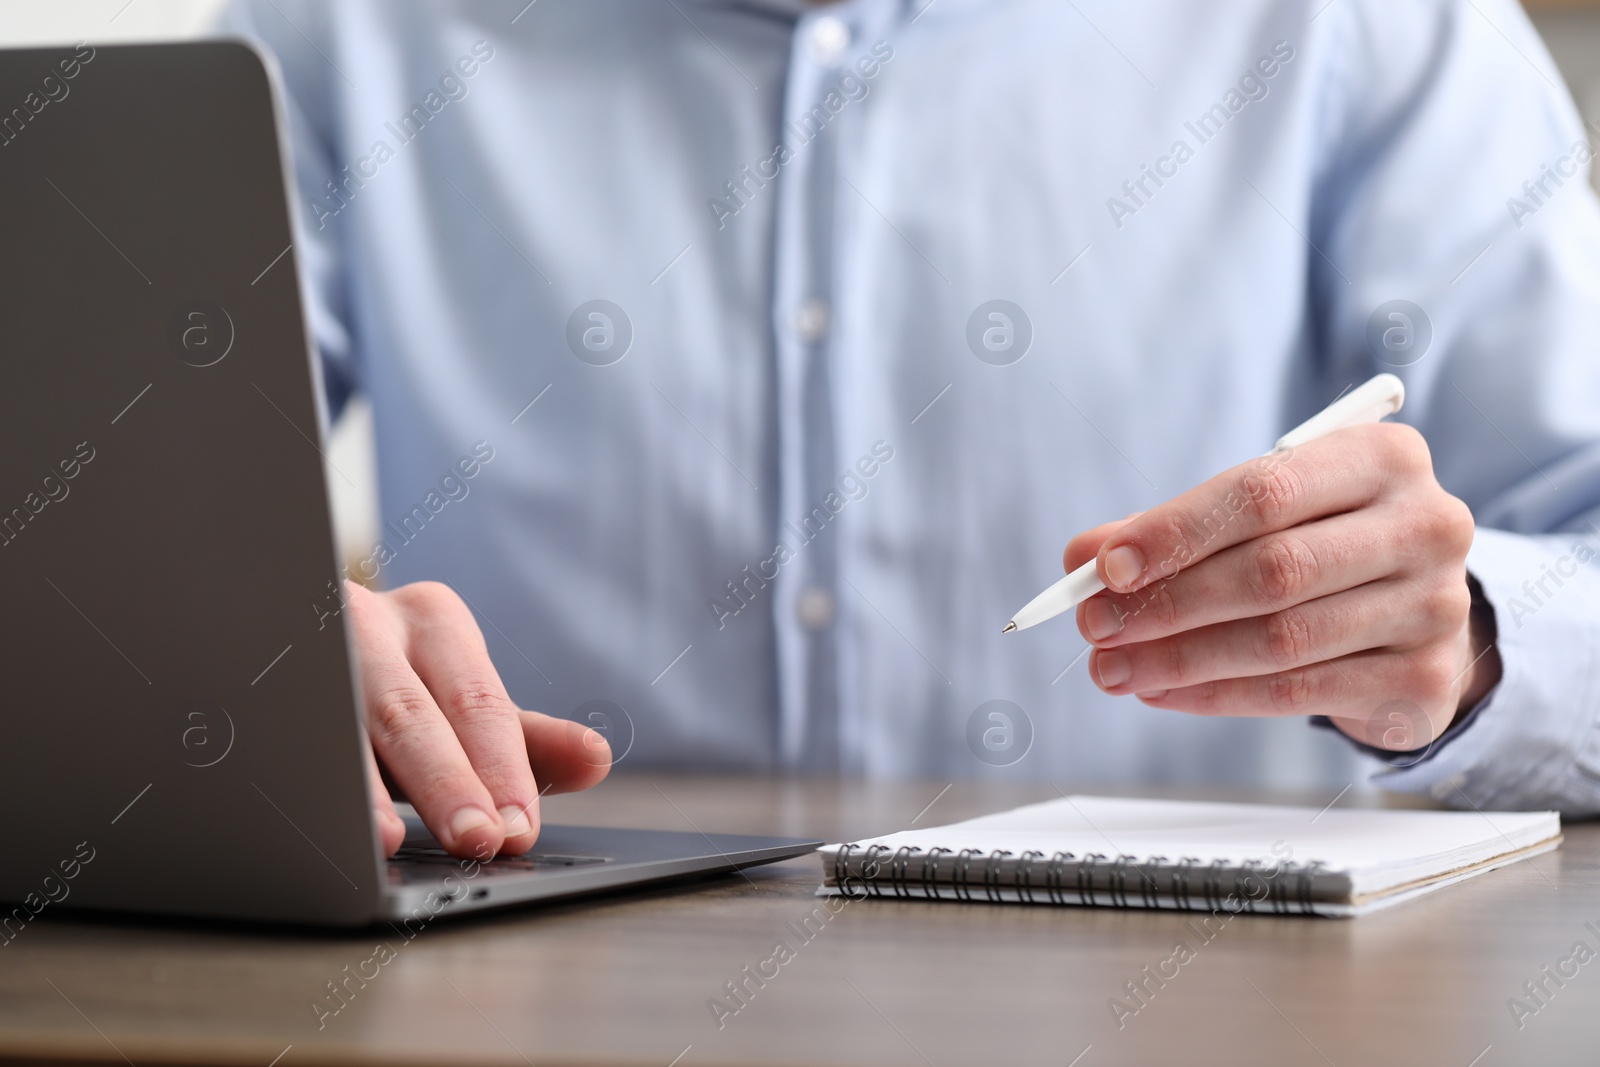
<point>1154,694</point>
<point>516,820</point>
<point>1124,565</point>
<point>1101,618</point>
<point>467,820</point>
<point>1113,668</point>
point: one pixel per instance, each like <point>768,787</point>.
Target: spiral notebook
<point>1113,852</point>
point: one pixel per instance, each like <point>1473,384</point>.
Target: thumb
<point>566,756</point>
<point>1086,546</point>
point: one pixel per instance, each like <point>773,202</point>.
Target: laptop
<point>182,727</point>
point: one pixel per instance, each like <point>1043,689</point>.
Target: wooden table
<point>629,979</point>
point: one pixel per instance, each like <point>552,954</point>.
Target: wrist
<point>1483,671</point>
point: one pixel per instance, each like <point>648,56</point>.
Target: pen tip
<point>1009,627</point>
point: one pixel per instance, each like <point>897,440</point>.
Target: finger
<point>1271,573</point>
<point>1086,546</point>
<point>566,756</point>
<point>1351,687</point>
<point>416,743</point>
<point>1340,472</point>
<point>1380,615</point>
<point>447,651</point>
<point>391,828</point>
<point>413,740</point>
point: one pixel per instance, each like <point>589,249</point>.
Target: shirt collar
<point>796,8</point>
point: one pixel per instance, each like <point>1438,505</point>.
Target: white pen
<point>1370,402</point>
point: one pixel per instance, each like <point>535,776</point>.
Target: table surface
<point>629,979</point>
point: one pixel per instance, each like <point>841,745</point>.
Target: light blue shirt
<point>776,494</point>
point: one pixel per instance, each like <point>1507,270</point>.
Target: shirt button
<point>814,608</point>
<point>827,41</point>
<point>811,321</point>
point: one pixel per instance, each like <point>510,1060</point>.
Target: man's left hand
<point>1329,580</point>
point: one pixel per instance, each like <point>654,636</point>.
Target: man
<point>789,342</point>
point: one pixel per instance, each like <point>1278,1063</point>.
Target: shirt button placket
<point>807,586</point>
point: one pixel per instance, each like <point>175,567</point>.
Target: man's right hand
<point>444,730</point>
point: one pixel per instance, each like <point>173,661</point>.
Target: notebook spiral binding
<point>1096,879</point>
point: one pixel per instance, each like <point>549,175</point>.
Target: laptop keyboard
<point>413,864</point>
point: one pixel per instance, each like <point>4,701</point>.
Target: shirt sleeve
<point>1454,180</point>
<point>281,28</point>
